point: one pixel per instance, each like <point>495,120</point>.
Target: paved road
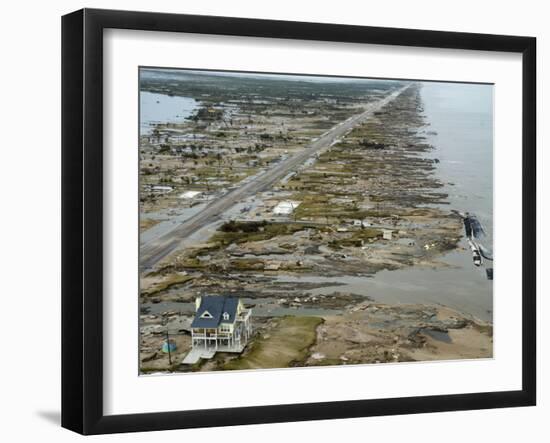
<point>156,249</point>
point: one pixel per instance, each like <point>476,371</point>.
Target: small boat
<point>476,254</point>
<point>477,258</point>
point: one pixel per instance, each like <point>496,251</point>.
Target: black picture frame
<point>82,218</point>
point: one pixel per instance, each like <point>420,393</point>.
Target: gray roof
<point>216,306</point>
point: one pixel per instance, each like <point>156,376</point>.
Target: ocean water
<point>462,116</point>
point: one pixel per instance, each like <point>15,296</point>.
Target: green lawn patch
<point>282,346</point>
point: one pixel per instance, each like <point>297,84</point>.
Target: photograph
<point>292,221</point>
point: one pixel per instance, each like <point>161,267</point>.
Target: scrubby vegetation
<point>285,344</point>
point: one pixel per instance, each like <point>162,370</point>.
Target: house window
<point>206,314</point>
<point>225,316</point>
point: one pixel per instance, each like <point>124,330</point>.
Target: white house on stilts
<point>221,324</point>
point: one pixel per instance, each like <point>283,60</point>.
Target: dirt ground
<point>376,333</point>
<point>366,333</point>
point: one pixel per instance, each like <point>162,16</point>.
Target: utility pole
<point>165,321</point>
<point>168,344</point>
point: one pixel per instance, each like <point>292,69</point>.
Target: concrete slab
<point>196,354</point>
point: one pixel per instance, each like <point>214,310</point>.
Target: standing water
<point>161,108</point>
